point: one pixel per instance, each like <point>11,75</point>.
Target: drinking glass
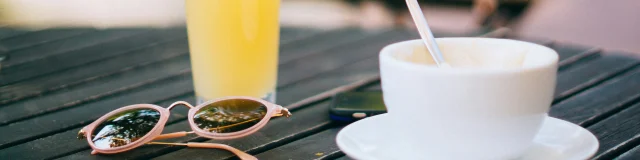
<point>234,47</point>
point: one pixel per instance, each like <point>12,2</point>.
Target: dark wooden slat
<point>373,68</point>
<point>3,57</point>
<point>567,50</point>
<point>359,70</point>
<point>328,154</point>
<point>596,103</point>
<point>45,125</point>
<point>296,31</point>
<point>11,32</point>
<point>303,90</point>
<point>33,89</point>
<point>333,155</point>
<point>72,98</point>
<point>633,154</point>
<point>312,147</point>
<point>574,80</point>
<point>373,87</point>
<point>290,34</point>
<point>286,95</point>
<point>45,147</point>
<point>76,76</point>
<point>144,153</point>
<point>320,43</point>
<point>40,37</point>
<point>321,82</point>
<point>86,56</point>
<point>69,44</point>
<point>289,30</point>
<point>55,137</point>
<point>336,57</point>
<point>302,95</point>
<point>79,75</point>
<point>616,130</point>
<point>93,91</point>
<point>344,158</point>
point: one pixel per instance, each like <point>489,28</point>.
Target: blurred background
<point>610,24</point>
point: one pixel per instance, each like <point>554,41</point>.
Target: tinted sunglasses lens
<point>124,128</point>
<point>230,115</point>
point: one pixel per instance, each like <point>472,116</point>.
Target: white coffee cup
<point>489,105</point>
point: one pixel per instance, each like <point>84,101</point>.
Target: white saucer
<point>558,139</point>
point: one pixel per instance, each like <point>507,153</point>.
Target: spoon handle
<point>425,32</point>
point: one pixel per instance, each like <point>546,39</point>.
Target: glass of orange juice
<point>234,47</point>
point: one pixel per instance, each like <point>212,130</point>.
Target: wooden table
<point>59,80</point>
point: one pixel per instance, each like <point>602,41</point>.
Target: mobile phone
<point>353,106</point>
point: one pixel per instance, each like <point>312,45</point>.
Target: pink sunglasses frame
<point>156,133</point>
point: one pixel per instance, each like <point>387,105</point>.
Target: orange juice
<point>234,47</point>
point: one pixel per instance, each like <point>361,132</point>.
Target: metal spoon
<point>425,33</point>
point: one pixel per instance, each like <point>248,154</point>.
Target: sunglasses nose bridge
<point>180,103</point>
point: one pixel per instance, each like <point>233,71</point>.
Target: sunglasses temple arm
<point>172,135</point>
<point>242,155</point>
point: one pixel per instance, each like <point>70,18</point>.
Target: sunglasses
<point>226,118</point>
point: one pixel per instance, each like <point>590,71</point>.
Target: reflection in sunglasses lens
<point>124,128</point>
<point>230,115</point>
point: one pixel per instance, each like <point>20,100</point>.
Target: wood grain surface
<point>59,80</point>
